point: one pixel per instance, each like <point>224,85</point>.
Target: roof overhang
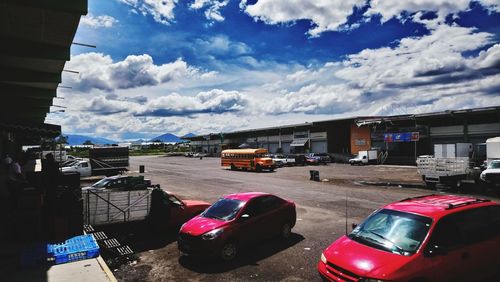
<point>36,38</point>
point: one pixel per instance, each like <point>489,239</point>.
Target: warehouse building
<point>401,138</point>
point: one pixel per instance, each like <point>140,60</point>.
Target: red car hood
<point>199,225</point>
<point>364,260</point>
<point>191,203</point>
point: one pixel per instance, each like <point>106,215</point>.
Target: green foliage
<point>79,152</point>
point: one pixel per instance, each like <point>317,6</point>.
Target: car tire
<point>258,168</point>
<point>286,231</point>
<point>229,251</point>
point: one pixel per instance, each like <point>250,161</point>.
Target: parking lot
<point>321,216</point>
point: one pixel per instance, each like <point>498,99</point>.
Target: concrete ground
<point>321,217</point>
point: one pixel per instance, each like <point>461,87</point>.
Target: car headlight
<point>212,234</point>
<point>323,258</point>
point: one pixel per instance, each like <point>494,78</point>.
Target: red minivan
<point>427,238</point>
<point>235,221</point>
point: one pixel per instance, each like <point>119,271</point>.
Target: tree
<point>88,142</point>
<point>61,139</point>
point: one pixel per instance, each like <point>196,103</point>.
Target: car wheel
<point>286,231</point>
<point>228,251</point>
<point>258,168</point>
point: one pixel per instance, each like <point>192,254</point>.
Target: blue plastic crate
<point>74,249</point>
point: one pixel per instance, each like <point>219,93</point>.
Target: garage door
<point>319,147</point>
<point>273,147</point>
<point>286,147</point>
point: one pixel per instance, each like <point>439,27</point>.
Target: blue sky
<point>221,65</point>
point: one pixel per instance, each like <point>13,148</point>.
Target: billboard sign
<point>402,137</point>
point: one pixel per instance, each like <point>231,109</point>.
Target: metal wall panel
<point>447,130</point>
<point>286,147</point>
<point>484,128</point>
<point>273,148</point>
<point>319,147</point>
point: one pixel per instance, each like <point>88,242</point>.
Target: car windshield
<point>223,209</point>
<point>393,231</point>
<point>494,165</point>
<point>102,183</point>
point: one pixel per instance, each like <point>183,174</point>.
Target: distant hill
<point>168,138</point>
<point>74,139</point>
<point>188,135</point>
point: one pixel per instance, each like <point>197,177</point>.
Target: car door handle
<point>465,255</point>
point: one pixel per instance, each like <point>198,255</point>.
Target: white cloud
<point>331,15</point>
<point>442,8</point>
<point>212,7</point>
<point>161,10</point>
<point>492,5</point>
<point>98,21</point>
<point>415,61</point>
<point>325,14</point>
<point>390,9</point>
<point>98,71</point>
<point>221,45</point>
<point>215,101</point>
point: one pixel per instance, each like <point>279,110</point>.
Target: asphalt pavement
<point>323,210</point>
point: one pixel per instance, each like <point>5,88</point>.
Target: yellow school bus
<point>246,159</point>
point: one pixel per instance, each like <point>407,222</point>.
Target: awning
<point>36,39</point>
<point>44,129</point>
<point>299,142</point>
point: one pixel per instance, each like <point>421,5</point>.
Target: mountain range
<point>75,139</point>
<point>171,138</point>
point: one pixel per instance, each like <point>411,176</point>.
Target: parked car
<point>236,221</point>
<point>312,160</point>
<point>323,158</point>
<point>427,238</point>
<point>300,159</point>
<point>121,183</point>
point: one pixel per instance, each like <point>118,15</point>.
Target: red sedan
<point>235,221</point>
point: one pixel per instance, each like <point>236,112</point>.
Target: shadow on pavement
<point>141,236</point>
<point>248,256</point>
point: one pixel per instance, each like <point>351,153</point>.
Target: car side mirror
<point>435,250</point>
<point>354,225</point>
<point>244,217</point>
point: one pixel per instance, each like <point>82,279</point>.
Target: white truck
<point>365,157</point>
<point>491,176</point>
<point>492,149</point>
<point>282,160</point>
<point>450,165</point>
<point>91,167</point>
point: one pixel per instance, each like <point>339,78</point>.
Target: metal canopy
<point>299,142</point>
<point>36,38</point>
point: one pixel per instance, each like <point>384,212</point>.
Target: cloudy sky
<point>204,66</point>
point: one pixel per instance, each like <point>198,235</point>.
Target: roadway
<point>321,216</point>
